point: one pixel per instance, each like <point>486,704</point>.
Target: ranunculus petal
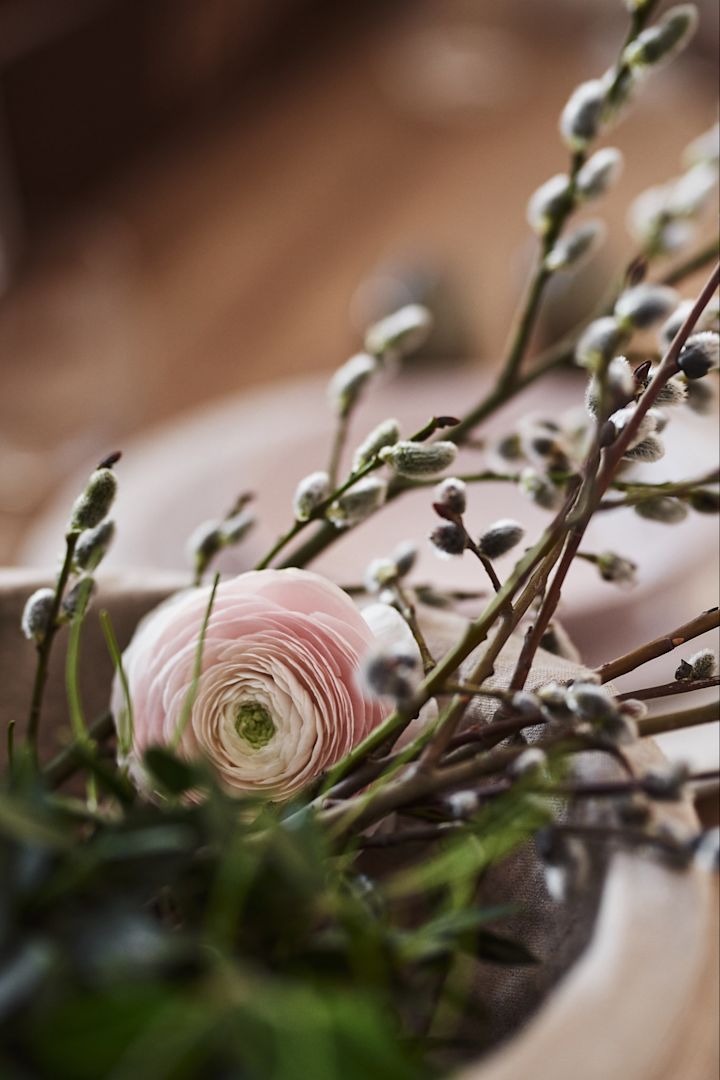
<point>282,652</point>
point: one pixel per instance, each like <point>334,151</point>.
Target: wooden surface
<point>231,255</point>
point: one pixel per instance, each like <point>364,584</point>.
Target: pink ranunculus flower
<point>278,699</point>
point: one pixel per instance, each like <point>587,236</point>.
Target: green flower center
<point>254,724</point>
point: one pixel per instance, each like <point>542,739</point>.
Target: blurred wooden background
<point>190,194</point>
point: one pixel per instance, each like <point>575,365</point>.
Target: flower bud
<point>390,674</point>
<point>451,495</point>
<point>684,671</point>
<point>385,434</point>
<point>311,492</point>
<point>532,760</point>
<point>448,539</point>
<point>581,118</point>
<point>548,204</point>
<point>557,641</point>
<point>590,702</point>
<point>705,501</point>
<point>661,508</point>
<point>620,385</point>
<point>205,542</point>
<point>599,173</point>
<point>704,664</point>
<point>666,781</point>
<point>674,392</point>
<point>36,616</point>
<point>553,696</point>
<point>599,343</point>
<point>404,556</point>
<point>542,492</point>
<point>705,147</point>
<point>462,804</point>
<point>643,305</point>
<point>93,544</point>
<point>664,40</point>
<point>348,382</point>
<point>614,568</point>
<point>689,194</point>
<point>361,500</point>
<point>500,538</point>
<point>706,851</point>
<point>415,460</point>
<point>700,397</point>
<point>699,354</point>
<point>401,333</point>
<point>93,505</point>
<point>77,599</point>
<point>379,574</point>
<point>648,450</point>
<point>237,526</point>
<point>634,709</point>
<point>572,250</point>
<point>565,863</point>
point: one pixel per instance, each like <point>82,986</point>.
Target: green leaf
<point>175,776</point>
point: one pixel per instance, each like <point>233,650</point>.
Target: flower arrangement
<point>267,858</point>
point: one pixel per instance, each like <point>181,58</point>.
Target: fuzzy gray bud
<point>644,305</point>
<point>37,613</point>
<point>581,118</point>
<point>94,504</point>
<point>665,782</point>
<point>500,538</point>
<point>570,251</point>
<point>205,541</point>
<point>664,40</point>
<point>448,539</point>
<point>93,544</point>
<point>705,501</point>
<point>706,851</point>
<point>704,664</point>
<point>674,392</point>
<point>599,343</point>
<point>414,460</point>
<point>615,568</point>
<point>348,382</point>
<point>361,500</point>
<point>699,354</point>
<point>533,760</point>
<point>404,556</point>
<point>647,450</point>
<point>541,490</point>
<point>77,599</point>
<point>451,495</point>
<point>401,333</point>
<point>599,173</point>
<point>311,492</point>
<point>237,526</point>
<point>390,674</point>
<point>590,702</point>
<point>620,384</point>
<point>385,434</point>
<point>548,204</point>
<point>662,508</point>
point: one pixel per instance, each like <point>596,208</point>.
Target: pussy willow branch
<point>554,357</point>
<point>596,484</point>
<point>353,477</point>
<point>475,633</point>
<point>679,686</point>
<point>701,624</point>
<point>44,649</point>
<point>676,721</point>
<point>636,492</point>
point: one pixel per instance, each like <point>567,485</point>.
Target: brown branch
<point>658,725</point>
<point>701,624</point>
<point>679,686</point>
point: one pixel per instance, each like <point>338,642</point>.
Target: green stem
<point>45,647</point>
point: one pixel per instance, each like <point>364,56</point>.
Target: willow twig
<point>701,624</point>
